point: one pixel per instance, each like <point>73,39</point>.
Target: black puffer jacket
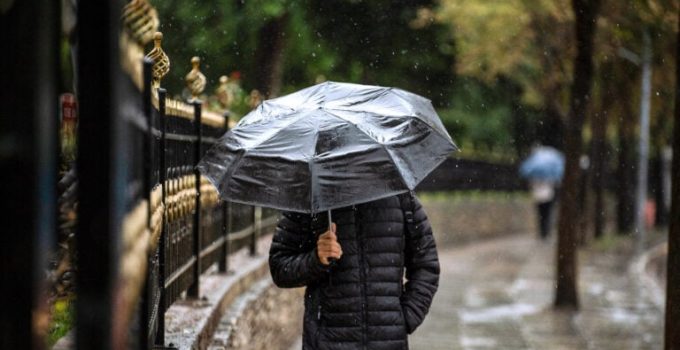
<point>362,302</point>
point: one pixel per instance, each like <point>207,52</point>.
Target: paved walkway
<point>497,295</point>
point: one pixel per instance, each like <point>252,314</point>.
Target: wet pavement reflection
<point>498,294</point>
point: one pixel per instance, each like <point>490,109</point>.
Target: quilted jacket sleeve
<point>293,261</point>
<point>422,269</point>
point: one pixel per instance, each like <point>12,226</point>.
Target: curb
<point>190,324</point>
<point>646,281</point>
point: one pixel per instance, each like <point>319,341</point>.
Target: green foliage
<point>200,29</point>
<point>472,196</point>
<point>62,320</point>
<point>384,42</point>
<point>520,39</point>
<point>487,121</point>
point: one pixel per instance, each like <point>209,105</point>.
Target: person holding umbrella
<point>341,160</point>
<point>543,169</point>
<point>361,302</point>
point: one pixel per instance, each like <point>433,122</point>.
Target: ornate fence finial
<point>161,63</point>
<point>195,79</point>
<point>141,20</point>
<point>224,94</point>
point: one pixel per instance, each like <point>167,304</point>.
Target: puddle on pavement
<point>498,313</point>
<point>476,342</point>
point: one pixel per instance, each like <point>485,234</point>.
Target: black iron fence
<point>174,219</point>
<point>465,174</point>
<point>148,225</point>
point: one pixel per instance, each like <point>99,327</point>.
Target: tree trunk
<point>599,169</point>
<point>584,201</point>
<point>566,295</point>
<point>599,144</point>
<point>551,131</point>
<point>625,211</point>
<point>663,205</point>
<point>269,56</point>
<point>643,145</point>
<point>672,338</point>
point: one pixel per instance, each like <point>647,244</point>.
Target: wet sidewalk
<point>498,295</point>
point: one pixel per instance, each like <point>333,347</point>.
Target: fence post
<point>146,109</point>
<point>99,165</point>
<point>148,138</point>
<point>28,102</point>
<point>257,227</point>
<point>194,290</point>
<point>160,332</point>
<point>223,265</point>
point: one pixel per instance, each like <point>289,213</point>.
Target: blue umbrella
<point>544,163</point>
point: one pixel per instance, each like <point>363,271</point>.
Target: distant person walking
<point>543,169</point>
<point>544,194</point>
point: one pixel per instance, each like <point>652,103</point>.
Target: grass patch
<point>611,241</point>
<point>473,195</point>
<point>62,319</point>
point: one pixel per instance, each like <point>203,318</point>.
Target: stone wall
<point>461,217</point>
<point>266,317</point>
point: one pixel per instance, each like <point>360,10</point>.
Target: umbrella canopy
<point>544,163</point>
<point>328,146</point>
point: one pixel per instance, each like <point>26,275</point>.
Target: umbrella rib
<point>384,147</point>
<point>328,110</point>
<point>401,176</point>
<point>412,115</point>
<point>278,116</point>
<point>310,165</point>
<point>399,93</point>
<point>260,142</point>
<point>350,123</point>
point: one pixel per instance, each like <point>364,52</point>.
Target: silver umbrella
<point>328,146</point>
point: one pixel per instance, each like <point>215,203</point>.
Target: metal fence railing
<point>189,228</point>
<point>172,226</point>
<point>145,224</point>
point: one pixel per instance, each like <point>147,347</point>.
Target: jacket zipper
<point>362,273</point>
<point>402,255</point>
<point>319,323</point>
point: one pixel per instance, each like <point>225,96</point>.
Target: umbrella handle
<point>331,261</point>
<point>330,220</point>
